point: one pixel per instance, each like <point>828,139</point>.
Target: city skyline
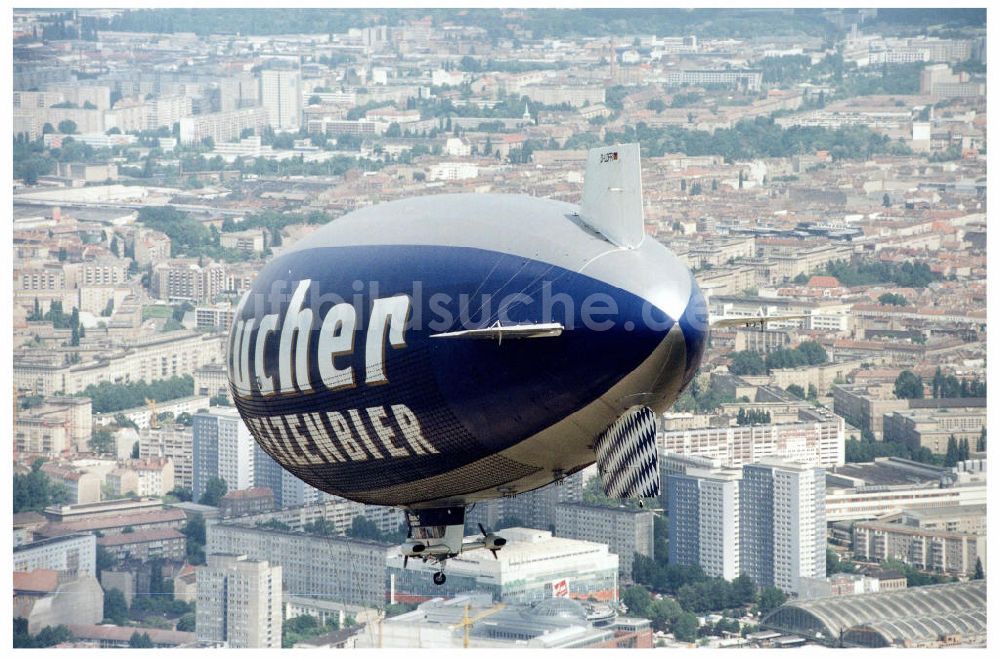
<point>826,167</point>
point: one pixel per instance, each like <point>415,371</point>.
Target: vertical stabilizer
<point>612,194</point>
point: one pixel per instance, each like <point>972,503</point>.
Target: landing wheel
<point>439,578</point>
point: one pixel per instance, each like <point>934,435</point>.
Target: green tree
<point>747,363</point>
<point>47,637</point>
<point>182,494</point>
<point>796,391</point>
<point>35,491</point>
<point>770,598</point>
<point>979,573</point>
<point>102,442</point>
<point>892,299</point>
<point>105,560</point>
<point>137,641</point>
<point>187,622</point>
<point>215,488</point>
<point>362,528</point>
<point>115,607</point>
<point>67,127</point>
<point>663,613</point>
<point>908,386</point>
<point>685,627</point>
<point>886,202</point>
<point>744,589</point>
<point>323,527</point>
<point>638,600</point>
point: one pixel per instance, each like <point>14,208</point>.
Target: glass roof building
<point>921,616</point>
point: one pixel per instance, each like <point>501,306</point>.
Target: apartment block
<point>782,523</point>
<point>221,447</point>
<point>627,532</point>
<point>703,518</point>
<point>329,567</point>
<point>239,603</point>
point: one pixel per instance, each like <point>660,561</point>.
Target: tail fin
<point>612,194</point>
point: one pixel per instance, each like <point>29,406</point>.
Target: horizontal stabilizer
<point>612,194</point>
<point>627,458</point>
<point>501,332</point>
<point>755,321</point>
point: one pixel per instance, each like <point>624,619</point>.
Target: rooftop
<point>40,580</point>
<point>884,618</point>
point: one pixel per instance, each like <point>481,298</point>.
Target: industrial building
<point>939,615</point>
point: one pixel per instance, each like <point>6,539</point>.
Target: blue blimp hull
<point>348,363</point>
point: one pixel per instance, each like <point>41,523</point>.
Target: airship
<point>432,352</point>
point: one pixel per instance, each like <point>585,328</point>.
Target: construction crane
<point>154,422</point>
<point>467,621</point>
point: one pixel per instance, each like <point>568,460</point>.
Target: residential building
<point>117,524</point>
<point>330,567</point>
<point>237,503</point>
<point>187,280</point>
<point>935,550</point>
<point>287,490</point>
<point>239,603</point>
<point>817,438</point>
<point>73,554</point>
<point>748,80</point>
<point>782,523</point>
<point>219,316</point>
<point>174,442</point>
<point>535,509</point>
<point>703,520</point>
<point>932,428</point>
<point>59,425</point>
<point>627,532</point>
<point>147,544</point>
<point>221,447</point>
<point>222,126</point>
<point>149,358</point>
<point>82,486</point>
<point>281,96</point>
<point>211,380</point>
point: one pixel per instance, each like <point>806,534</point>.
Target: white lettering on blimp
<point>309,439</point>
<point>387,326</point>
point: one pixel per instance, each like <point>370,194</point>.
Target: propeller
<point>485,535</point>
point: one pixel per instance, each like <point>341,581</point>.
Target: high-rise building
<point>288,490</point>
<point>782,523</point>
<point>704,520</point>
<point>337,568</point>
<point>281,96</point>
<point>627,532</point>
<point>172,441</point>
<point>237,91</point>
<point>537,508</point>
<point>222,447</point>
<point>239,603</point>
